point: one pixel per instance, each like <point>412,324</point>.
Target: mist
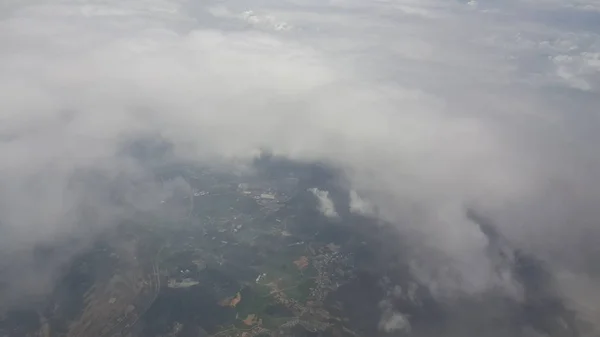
<point>426,107</point>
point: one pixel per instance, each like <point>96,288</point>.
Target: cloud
<point>394,321</point>
<point>256,20</point>
<point>358,205</point>
<point>326,205</point>
<point>424,105</point>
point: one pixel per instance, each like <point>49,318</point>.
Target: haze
<point>428,107</point>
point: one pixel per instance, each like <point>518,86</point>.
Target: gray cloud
<point>426,106</point>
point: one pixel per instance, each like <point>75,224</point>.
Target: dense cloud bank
<point>427,107</point>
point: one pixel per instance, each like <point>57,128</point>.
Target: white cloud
<point>394,321</point>
<point>358,205</point>
<point>326,205</point>
<point>578,71</point>
<point>256,20</point>
<point>425,105</point>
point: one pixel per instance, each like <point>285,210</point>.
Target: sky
<point>427,106</point>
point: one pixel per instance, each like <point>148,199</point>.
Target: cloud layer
<point>427,106</point>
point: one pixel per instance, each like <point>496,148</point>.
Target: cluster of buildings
<point>333,268</point>
<point>269,199</point>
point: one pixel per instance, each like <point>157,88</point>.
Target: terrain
<point>251,255</point>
